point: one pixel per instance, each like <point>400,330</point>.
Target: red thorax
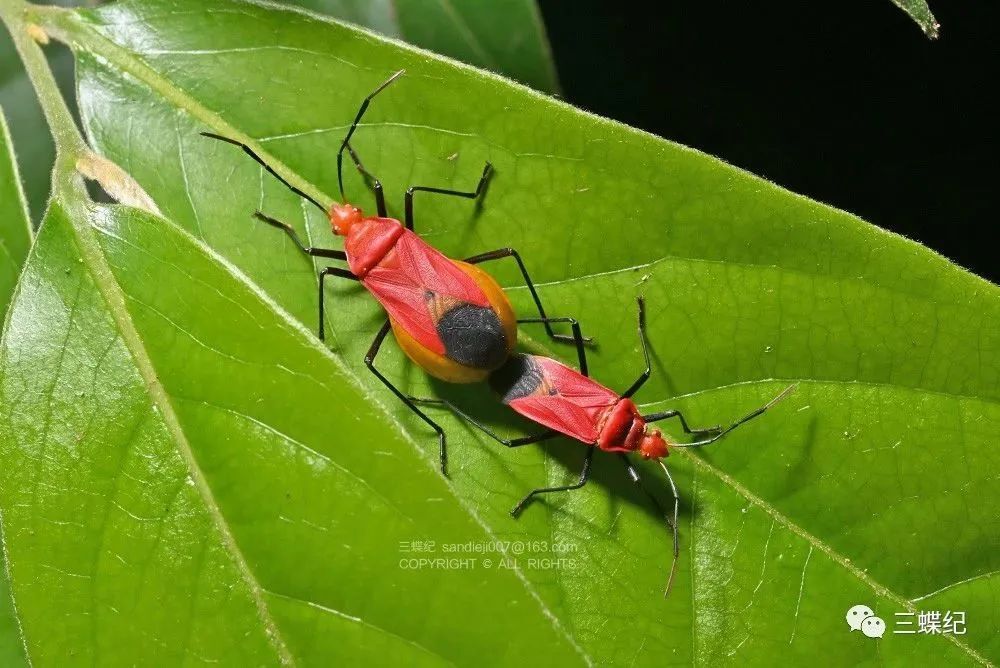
<point>367,240</point>
<point>622,429</point>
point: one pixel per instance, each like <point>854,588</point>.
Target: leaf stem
<point>70,145</point>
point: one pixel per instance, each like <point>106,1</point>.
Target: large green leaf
<point>15,228</point>
<point>875,483</point>
<point>15,240</point>
<point>172,504</point>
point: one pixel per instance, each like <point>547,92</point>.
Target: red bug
<point>449,316</point>
<point>570,403</point>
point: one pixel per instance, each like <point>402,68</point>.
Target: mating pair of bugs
<point>453,320</point>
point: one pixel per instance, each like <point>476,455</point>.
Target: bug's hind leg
<point>501,253</point>
<point>508,442</point>
<point>408,198</point>
<point>370,363</point>
<point>584,477</point>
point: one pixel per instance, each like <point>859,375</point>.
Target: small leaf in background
<point>504,36</point>
<point>32,139</point>
<point>921,13</point>
<point>15,228</point>
<point>377,15</point>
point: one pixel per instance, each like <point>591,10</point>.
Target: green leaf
<point>15,240</point>
<point>875,483</point>
<point>163,512</point>
<point>921,13</point>
<point>35,151</point>
<point>15,228</point>
<point>505,36</point>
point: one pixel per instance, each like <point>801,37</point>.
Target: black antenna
<point>696,444</point>
<point>354,126</point>
<point>270,170</point>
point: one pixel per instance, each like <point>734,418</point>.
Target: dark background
<point>857,108</point>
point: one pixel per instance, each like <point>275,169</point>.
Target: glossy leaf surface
<point>15,229</point>
<point>875,483</point>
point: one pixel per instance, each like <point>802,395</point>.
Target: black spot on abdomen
<point>519,377</point>
<point>473,336</point>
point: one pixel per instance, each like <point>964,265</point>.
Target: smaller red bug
<point>570,403</point>
<point>449,316</point>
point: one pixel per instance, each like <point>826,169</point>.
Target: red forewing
<point>410,274</point>
<point>566,401</point>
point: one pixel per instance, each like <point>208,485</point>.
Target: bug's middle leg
<point>584,477</point>
<point>508,442</point>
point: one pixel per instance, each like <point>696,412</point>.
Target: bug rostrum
<point>449,316</point>
<point>570,403</point>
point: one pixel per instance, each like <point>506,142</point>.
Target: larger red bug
<point>570,403</point>
<point>449,316</point>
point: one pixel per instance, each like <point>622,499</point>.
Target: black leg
<point>354,126</point>
<point>376,184</point>
<point>578,338</point>
<point>671,521</point>
<point>510,252</point>
<point>408,198</point>
<point>584,476</point>
<point>270,170</point>
<point>644,376</point>
<point>329,271</point>
<point>719,433</point>
<point>698,432</point>
<point>370,362</point>
<point>309,250</point>
<point>509,442</point>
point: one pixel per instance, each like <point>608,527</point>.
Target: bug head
<point>653,445</point>
<point>343,217</point>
